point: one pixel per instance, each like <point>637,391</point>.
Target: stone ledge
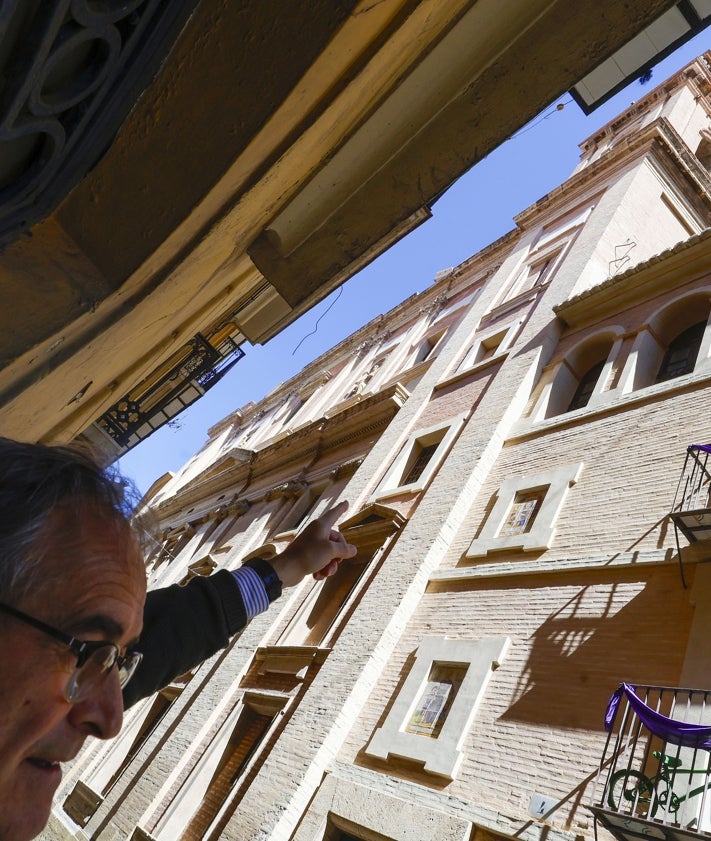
<point>537,567</point>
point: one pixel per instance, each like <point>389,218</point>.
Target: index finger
<point>328,518</point>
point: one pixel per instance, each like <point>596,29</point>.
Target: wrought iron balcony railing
<point>655,773</point>
<point>691,509</point>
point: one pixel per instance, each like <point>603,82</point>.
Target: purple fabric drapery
<point>676,732</point>
<point>705,448</point>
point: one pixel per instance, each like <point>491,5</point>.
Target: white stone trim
<point>390,483</point>
<point>553,567</point>
<point>346,805</point>
<point>441,755</point>
<point>557,483</point>
<point>560,381</point>
<point>507,333</point>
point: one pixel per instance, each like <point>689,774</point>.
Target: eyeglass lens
<point>87,676</point>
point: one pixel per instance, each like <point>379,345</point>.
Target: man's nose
<point>100,713</point>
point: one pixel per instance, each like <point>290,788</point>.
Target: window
<point>215,779</point>
<point>585,388</point>
<point>319,616</point>
<point>320,609</point>
<point>422,455</point>
<point>159,707</point>
<point>248,734</point>
<point>437,703</point>
<point>484,348</point>
<point>581,378</point>
<point>539,273</point>
<point>84,799</point>
<point>418,460</point>
<point>427,346</point>
<point>676,341</point>
<point>525,512</point>
<point>306,505</point>
<point>681,353</point>
<point>489,343</point>
<point>534,274</point>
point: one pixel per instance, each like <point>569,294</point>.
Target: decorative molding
<point>555,483</point>
<point>440,755</point>
<point>292,488</point>
<point>364,347</point>
<point>72,70</point>
<point>435,306</point>
<point>348,468</point>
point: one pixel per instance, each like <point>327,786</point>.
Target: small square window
<point>489,345</point>
<point>418,460</point>
<point>525,512</point>
<point>522,515</point>
<point>422,455</point>
<point>428,345</point>
<point>435,706</point>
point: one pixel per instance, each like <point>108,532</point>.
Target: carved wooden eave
<point>683,263</point>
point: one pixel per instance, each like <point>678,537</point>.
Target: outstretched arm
<point>185,625</point>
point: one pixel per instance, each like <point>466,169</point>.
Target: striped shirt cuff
<point>253,591</point>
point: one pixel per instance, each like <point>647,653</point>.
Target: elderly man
<point>72,594</point>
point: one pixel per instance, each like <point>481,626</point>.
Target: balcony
<point>691,509</point>
<point>655,773</point>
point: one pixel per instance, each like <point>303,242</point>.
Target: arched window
<point>681,353</point>
<point>587,383</point>
<point>581,376</point>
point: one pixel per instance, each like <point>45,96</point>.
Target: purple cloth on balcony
<point>669,729</point>
<point>705,448</point>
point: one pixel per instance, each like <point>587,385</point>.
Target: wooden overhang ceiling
<point>273,151</point>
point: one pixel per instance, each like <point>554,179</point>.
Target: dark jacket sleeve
<point>182,626</point>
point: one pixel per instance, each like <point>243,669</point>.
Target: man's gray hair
<point>34,480</point>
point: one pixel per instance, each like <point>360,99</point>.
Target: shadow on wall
<point>628,627</point>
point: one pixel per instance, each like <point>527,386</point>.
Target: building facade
<point>510,441</point>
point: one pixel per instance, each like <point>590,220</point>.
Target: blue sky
<point>476,210</point>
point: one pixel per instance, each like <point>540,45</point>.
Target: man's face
<point>92,586</point>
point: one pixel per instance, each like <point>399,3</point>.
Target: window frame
<point>557,483</point>
<point>391,483</point>
<point>441,755</point>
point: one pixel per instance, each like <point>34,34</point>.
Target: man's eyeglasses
<point>95,658</point>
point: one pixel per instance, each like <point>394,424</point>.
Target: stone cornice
<point>540,566</point>
<point>680,264</point>
<point>357,421</point>
<point>656,137</point>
